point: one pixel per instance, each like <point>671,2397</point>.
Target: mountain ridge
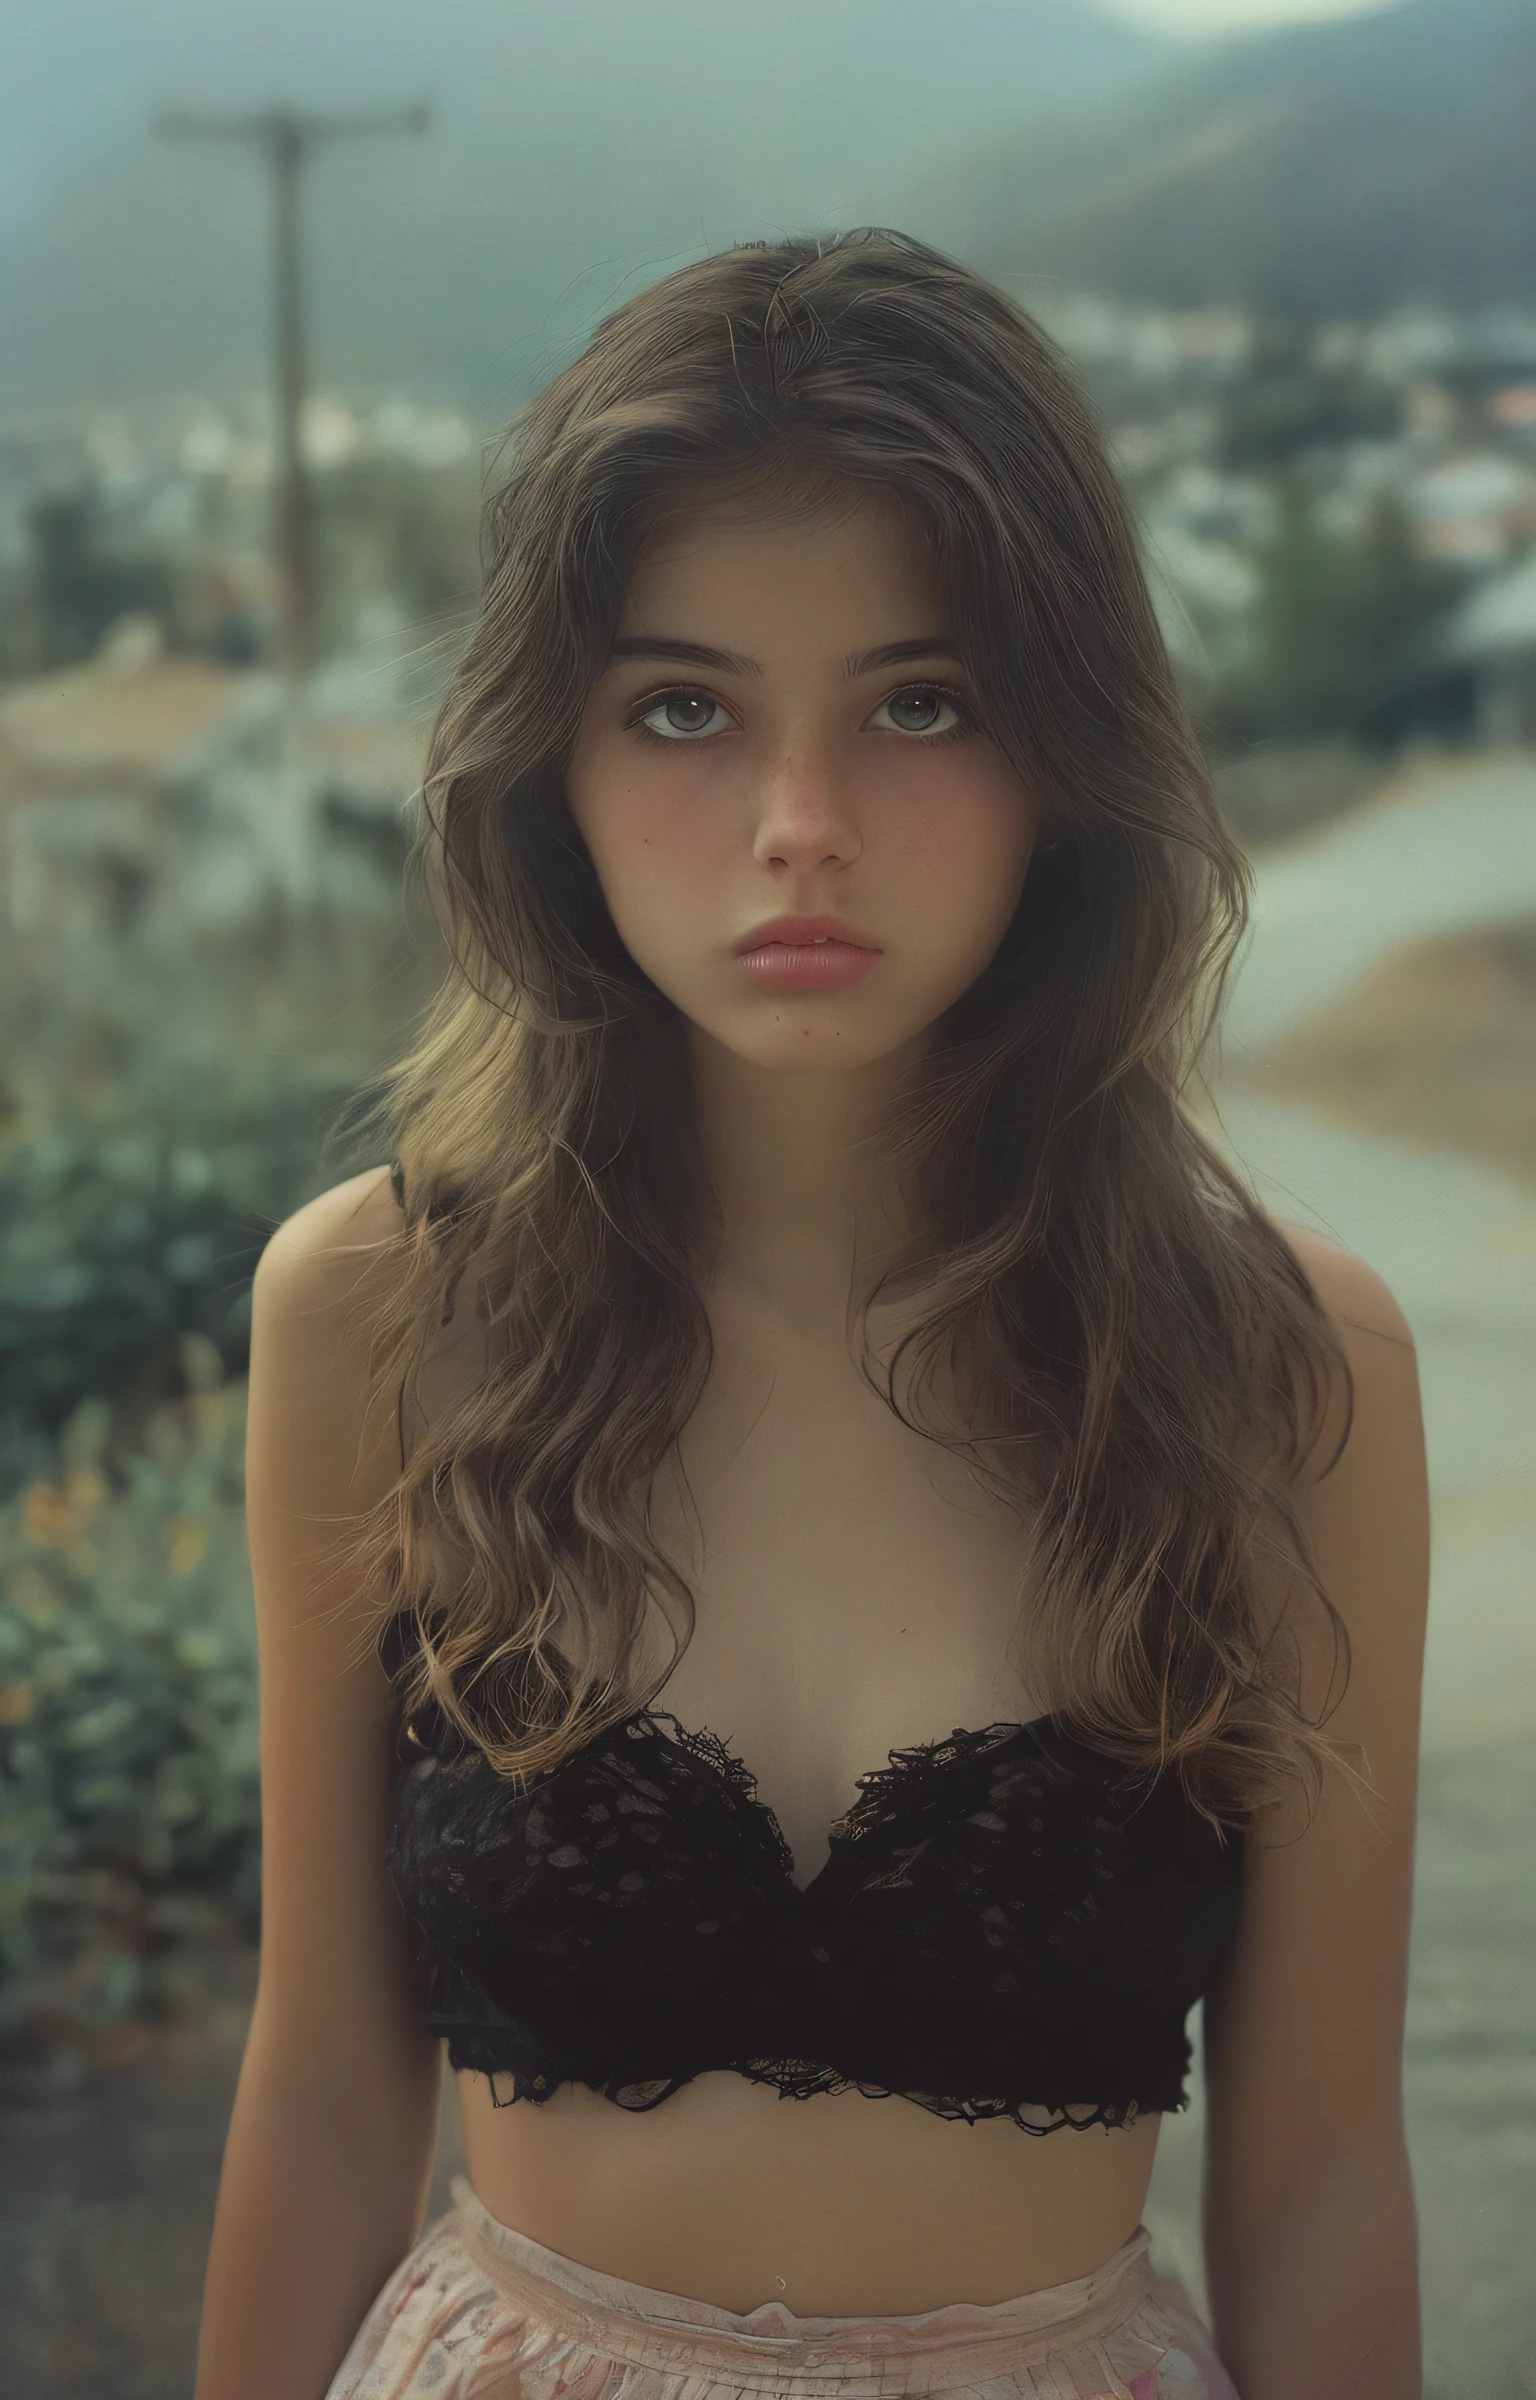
<point>1324,169</point>
<point>571,156</point>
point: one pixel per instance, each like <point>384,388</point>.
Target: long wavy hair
<point>1149,1360</point>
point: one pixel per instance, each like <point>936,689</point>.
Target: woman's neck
<point>810,1209</point>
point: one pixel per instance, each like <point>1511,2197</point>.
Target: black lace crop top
<point>1004,1926</point>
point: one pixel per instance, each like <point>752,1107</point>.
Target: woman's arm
<point>1310,2234</point>
<point>332,2137</point>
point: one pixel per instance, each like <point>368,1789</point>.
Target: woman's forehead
<point>709,537</point>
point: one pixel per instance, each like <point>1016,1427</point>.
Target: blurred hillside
<point>573,152</point>
<point>1334,169</point>
<point>1320,170</point>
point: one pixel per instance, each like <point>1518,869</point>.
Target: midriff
<point>838,2205</point>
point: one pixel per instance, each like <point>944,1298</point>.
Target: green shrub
<point>1345,634</point>
<point>129,1771</point>
<point>119,1239</point>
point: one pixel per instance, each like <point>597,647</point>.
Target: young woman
<point>806,1525</point>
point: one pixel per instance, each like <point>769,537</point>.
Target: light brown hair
<point>1151,1363</point>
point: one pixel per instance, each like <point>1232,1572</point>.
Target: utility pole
<point>287,136</point>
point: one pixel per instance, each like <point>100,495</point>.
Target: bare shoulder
<point>319,1441</point>
<point>1356,1297</point>
<point>330,1248</point>
<point>1379,1390</point>
<point>310,1317</point>
<point>318,1285</point>
<point>1364,1497</point>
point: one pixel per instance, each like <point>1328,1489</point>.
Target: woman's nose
<point>804,812</point>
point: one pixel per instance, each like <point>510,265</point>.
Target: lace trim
<point>907,1769</point>
<point>798,2079</point>
<point>732,1771</point>
<point>907,1772</point>
<point>926,1764</point>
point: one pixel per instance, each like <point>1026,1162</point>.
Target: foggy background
<point>1288,249</point>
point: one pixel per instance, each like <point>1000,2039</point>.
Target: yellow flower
<point>86,1489</point>
<point>29,1594</point>
<point>186,1541</point>
<point>46,1516</point>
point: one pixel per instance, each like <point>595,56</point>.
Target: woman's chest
<point>857,1587</point>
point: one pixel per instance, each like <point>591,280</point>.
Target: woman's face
<point>752,749</point>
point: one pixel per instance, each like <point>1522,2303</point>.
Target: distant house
<point>1493,635</point>
<point>1474,509</point>
<point>1514,407</point>
<point>1203,592</point>
<point>144,796</point>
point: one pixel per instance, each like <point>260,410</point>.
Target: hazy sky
<point>1225,16</point>
<point>576,144</point>
<point>75,72</point>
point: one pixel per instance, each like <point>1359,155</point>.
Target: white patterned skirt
<point>477,2311</point>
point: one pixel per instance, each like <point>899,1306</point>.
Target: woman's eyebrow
<point>727,662</point>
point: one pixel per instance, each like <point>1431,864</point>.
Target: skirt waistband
<point>961,2343</point>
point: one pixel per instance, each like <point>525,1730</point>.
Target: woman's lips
<point>828,966</point>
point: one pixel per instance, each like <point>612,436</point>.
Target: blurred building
<point>1494,634</point>
<point>1474,509</point>
<point>147,797</point>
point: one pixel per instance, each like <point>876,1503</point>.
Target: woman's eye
<point>918,708</point>
<point>682,715</point>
